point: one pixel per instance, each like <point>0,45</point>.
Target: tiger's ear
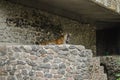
<point>69,34</point>
<point>67,38</point>
<point>63,34</point>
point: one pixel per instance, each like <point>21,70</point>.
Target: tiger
<point>64,39</point>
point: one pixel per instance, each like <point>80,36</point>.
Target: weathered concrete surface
<point>110,4</point>
<point>75,9</point>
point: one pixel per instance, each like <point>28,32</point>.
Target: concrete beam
<point>80,10</point>
<point>110,4</point>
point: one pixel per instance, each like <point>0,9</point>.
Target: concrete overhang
<point>80,10</point>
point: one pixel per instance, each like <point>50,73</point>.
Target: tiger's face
<point>64,39</point>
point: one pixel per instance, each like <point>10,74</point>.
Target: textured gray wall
<point>23,25</point>
<point>51,62</point>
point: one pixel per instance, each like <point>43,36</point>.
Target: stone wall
<point>111,65</point>
<point>97,71</point>
<point>51,62</point>
<point>23,25</point>
<point>111,4</point>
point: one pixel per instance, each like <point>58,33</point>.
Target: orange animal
<point>62,40</point>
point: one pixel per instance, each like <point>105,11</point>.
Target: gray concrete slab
<point>86,10</point>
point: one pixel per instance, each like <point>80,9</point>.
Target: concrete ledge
<point>79,10</point>
<point>110,4</point>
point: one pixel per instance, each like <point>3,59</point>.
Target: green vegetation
<point>118,76</point>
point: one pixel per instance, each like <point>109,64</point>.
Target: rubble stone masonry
<point>51,62</point>
<point>28,61</point>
